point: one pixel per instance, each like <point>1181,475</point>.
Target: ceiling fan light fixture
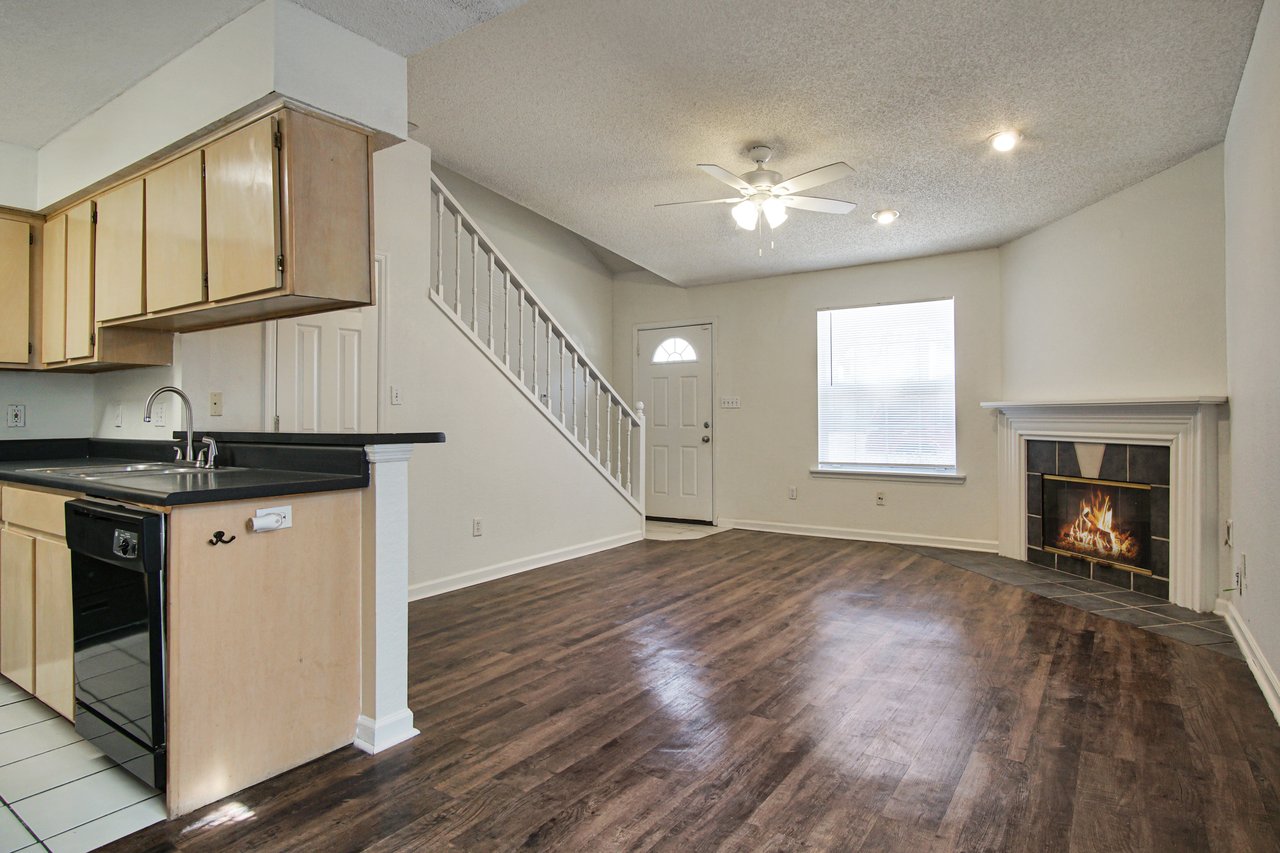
<point>775,212</point>
<point>884,217</point>
<point>1005,140</point>
<point>746,214</point>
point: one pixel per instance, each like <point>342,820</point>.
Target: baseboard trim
<point>887,537</point>
<point>373,736</point>
<point>1261,668</point>
<point>523,564</point>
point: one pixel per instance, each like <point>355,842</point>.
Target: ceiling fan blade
<point>722,174</point>
<point>816,178</point>
<point>821,205</point>
<point>707,201</point>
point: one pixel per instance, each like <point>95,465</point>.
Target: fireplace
<point>1100,511</point>
<point>1168,443</point>
<point>1099,520</point>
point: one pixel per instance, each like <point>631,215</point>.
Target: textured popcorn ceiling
<point>62,59</point>
<point>590,113</point>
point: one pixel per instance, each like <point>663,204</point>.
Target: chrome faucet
<point>186,402</point>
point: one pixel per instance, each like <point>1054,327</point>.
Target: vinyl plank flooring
<point>759,692</point>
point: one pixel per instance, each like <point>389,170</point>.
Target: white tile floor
<point>57,791</point>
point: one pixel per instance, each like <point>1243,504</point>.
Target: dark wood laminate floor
<point>752,691</point>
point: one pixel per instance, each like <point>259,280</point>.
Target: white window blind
<point>886,387</point>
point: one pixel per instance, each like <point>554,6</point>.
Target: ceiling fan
<point>763,191</point>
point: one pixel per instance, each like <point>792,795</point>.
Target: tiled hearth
<point>1143,465</point>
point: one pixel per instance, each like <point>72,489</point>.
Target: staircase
<point>487,300</point>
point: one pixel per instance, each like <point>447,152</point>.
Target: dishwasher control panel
<point>124,543</point>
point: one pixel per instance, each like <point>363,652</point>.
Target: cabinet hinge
<point>31,349</point>
<point>277,423</point>
<point>93,217</point>
<point>93,339</point>
<point>31,239</point>
<point>280,263</point>
<point>278,139</point>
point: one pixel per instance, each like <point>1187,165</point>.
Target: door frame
<point>636,329</point>
<point>271,353</point>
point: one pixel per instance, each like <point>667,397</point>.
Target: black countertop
<point>330,439</point>
<point>256,465</point>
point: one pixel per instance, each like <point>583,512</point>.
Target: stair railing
<point>483,295</point>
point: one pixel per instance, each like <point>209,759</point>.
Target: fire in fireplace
<point>1100,520</point>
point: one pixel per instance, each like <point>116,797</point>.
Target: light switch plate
<point>215,404</point>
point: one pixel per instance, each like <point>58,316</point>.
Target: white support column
<point>385,719</point>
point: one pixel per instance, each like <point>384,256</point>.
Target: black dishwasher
<point>117,591</point>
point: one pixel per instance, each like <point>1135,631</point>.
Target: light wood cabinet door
<point>117,270</point>
<point>175,234</point>
<point>53,298</point>
<point>55,646</point>
<point>242,208</point>
<point>17,609</point>
<point>15,291</point>
<point>79,310</point>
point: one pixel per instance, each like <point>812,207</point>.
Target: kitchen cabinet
<point>117,253</point>
<point>17,608</point>
<point>175,268</point>
<point>36,644</point>
<point>264,642</point>
<point>54,291</point>
<point>242,194</point>
<point>79,283</point>
<point>16,237</point>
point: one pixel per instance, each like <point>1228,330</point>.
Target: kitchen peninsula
<point>283,643</point>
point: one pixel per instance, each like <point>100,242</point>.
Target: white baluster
<point>457,264</point>
<point>536,375</point>
<point>489,296</point>
<point>574,399</point>
<point>440,244</point>
<point>560,365</point>
<point>608,438</point>
<point>520,321</point>
<point>640,494</point>
<point>618,462</point>
<point>597,410</point>
<point>549,364</point>
<point>630,450</point>
<point>506,318</point>
<point>475,273</point>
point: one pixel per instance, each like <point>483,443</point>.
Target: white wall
<point>766,354</point>
<point>1252,179</point>
<point>227,360</point>
<point>553,261</point>
<point>1124,298</point>
<point>275,47</point>
<point>18,167</point>
<point>503,462</point>
<point>58,405</point>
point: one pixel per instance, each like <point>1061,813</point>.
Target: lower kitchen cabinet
<point>36,641</point>
<point>18,609</point>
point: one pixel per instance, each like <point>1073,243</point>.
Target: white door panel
<point>326,372</point>
<point>673,374</point>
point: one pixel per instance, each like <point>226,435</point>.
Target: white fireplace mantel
<point>1188,426</point>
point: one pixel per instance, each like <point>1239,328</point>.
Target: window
<point>887,388</point>
<point>674,349</point>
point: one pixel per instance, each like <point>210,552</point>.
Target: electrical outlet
<point>792,493</point>
<point>160,415</point>
<point>476,529</point>
<point>396,398</point>
<point>215,404</point>
<point>879,498</point>
<point>731,402</point>
<point>16,416</point>
<point>117,415</point>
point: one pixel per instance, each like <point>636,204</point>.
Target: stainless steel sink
<point>132,469</point>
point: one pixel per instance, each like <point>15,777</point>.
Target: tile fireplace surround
<point>1187,426</point>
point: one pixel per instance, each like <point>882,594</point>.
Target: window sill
<point>886,474</point>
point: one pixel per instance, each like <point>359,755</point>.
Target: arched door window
<point>674,349</point>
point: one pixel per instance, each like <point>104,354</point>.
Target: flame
<point>1093,531</point>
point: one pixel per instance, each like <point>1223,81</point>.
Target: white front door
<point>673,380</point>
<point>327,372</point>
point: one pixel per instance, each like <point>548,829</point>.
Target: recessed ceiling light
<point>1005,140</point>
<point>884,217</point>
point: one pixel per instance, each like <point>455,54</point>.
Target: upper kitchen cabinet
<point>118,256</point>
<point>17,237</point>
<point>175,234</point>
<point>287,225</point>
<point>79,339</point>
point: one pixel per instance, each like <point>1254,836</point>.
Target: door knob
<point>706,439</point>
